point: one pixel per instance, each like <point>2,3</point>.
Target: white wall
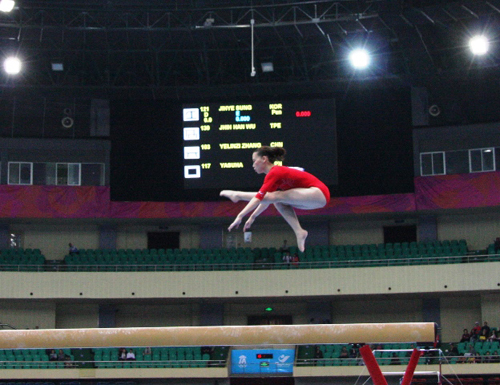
<point>458,313</point>
<point>300,283</point>
<point>468,293</point>
<point>28,314</point>
<point>150,315</point>
<point>490,309</point>
<point>479,230</point>
<point>377,310</point>
<point>136,237</point>
<point>53,240</point>
<point>357,232</point>
<point>237,313</point>
<point>263,235</point>
<point>74,315</point>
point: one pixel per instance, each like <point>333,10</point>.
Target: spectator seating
<point>162,357</point>
<point>29,359</point>
<point>481,347</point>
<point>492,255</point>
<point>169,260</point>
<point>366,255</point>
<point>331,354</point>
<point>197,357</point>
<point>21,259</point>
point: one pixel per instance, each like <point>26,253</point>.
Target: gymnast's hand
<point>248,223</point>
<point>235,224</point>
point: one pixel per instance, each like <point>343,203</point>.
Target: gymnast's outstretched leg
<point>237,196</point>
<point>288,213</point>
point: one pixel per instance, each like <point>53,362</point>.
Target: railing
<point>130,364</point>
<point>383,361</point>
<point>331,264</point>
<point>112,364</point>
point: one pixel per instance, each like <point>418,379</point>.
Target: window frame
<point>69,164</point>
<point>19,174</point>
<point>482,151</point>
<point>432,153</point>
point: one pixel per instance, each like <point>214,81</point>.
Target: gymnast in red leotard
<point>287,188</point>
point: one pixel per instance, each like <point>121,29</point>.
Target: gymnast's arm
<point>259,210</point>
<point>254,202</point>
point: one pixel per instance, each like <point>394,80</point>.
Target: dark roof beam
<point>493,7</point>
<point>470,11</point>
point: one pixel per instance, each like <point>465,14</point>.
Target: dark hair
<point>272,153</point>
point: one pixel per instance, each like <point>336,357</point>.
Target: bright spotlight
<point>7,5</point>
<point>12,65</point>
<point>359,58</point>
<point>479,45</point>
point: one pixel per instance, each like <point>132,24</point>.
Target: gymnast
<point>285,187</point>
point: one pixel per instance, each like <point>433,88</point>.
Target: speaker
<point>67,121</point>
<point>434,110</point>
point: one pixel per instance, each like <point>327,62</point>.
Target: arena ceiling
<point>165,46</point>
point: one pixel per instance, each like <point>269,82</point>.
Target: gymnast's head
<point>272,153</point>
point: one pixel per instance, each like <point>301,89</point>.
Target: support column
<point>210,236</point>
<point>427,228</point>
<point>319,233</point>
<point>107,316</point>
<point>490,311</point>
<point>107,237</point>
<point>319,312</point>
<point>211,314</point>
<point>4,237</point>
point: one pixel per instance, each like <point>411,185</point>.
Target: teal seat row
<point>412,253</point>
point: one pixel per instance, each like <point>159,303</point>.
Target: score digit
<point>206,166</point>
<point>205,146</point>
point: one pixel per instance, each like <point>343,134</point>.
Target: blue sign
<point>262,361</point>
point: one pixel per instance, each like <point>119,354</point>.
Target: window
<point>20,173</point>
<point>68,174</point>
<point>482,160</point>
<point>62,174</point>
<point>92,174</point>
<point>432,163</point>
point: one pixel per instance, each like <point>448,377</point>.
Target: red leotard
<point>286,178</point>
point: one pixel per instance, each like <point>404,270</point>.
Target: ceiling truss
<point>170,44</point>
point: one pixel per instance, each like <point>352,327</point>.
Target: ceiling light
<point>359,58</point>
<point>57,66</point>
<point>12,65</point>
<point>479,45</point>
<point>7,5</point>
<point>267,67</point>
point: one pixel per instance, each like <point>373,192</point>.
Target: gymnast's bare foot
<point>301,239</point>
<point>229,194</point>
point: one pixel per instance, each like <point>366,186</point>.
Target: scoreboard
<point>219,139</point>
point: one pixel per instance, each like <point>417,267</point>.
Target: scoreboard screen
<point>219,139</point>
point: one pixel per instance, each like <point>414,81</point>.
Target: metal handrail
<point>56,364</point>
<point>427,360</point>
<point>221,266</point>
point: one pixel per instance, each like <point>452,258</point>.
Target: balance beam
<point>218,335</point>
